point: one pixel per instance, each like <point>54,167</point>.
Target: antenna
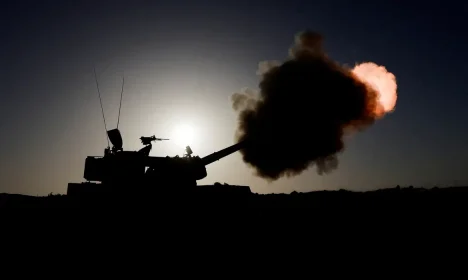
<point>121,94</point>
<point>102,109</point>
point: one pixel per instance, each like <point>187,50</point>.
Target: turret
<point>223,153</point>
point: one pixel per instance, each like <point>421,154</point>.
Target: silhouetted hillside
<point>395,200</point>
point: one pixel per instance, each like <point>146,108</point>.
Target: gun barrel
<point>223,153</point>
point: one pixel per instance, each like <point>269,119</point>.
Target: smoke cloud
<point>304,108</point>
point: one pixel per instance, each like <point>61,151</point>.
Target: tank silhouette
<point>119,170</point>
<point>136,172</point>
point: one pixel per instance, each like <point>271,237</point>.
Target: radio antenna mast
<point>102,109</point>
<point>121,94</point>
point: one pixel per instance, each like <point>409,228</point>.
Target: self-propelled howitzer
<point>119,169</point>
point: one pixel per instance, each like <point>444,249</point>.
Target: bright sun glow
<point>183,135</point>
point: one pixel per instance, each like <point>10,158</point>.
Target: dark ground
<point>221,225</point>
<point>395,200</point>
<point>406,215</point>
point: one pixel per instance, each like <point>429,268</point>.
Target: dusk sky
<point>182,60</point>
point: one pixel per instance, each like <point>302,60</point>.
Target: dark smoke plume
<point>304,107</point>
